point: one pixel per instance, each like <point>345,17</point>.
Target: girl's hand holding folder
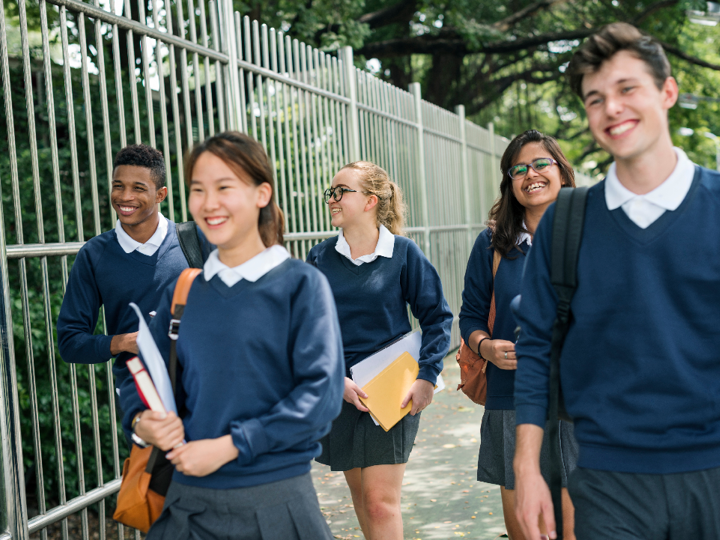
<point>421,393</point>
<point>164,430</point>
<point>203,457</point>
<point>352,391</point>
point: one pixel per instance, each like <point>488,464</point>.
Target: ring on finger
<point>506,355</point>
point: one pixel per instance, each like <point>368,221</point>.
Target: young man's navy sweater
<point>104,275</point>
<point>640,368</point>
<point>261,361</point>
<point>475,309</point>
<point>372,302</point>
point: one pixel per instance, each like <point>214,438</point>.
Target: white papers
<point>154,363</point>
<point>366,370</point>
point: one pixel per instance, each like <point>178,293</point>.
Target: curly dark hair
<point>142,155</point>
<point>507,214</point>
<point>610,40</point>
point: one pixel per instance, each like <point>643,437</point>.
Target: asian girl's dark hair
<point>246,157</point>
<point>507,214</point>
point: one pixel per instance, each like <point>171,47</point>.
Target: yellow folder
<point>387,390</point>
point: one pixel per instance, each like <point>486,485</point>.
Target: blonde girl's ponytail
<point>375,181</point>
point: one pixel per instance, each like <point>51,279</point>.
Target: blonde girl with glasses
<point>375,273</point>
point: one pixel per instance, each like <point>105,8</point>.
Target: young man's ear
<point>670,92</point>
<point>371,203</point>
<point>160,195</point>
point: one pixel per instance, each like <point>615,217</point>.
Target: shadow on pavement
<point>441,497</point>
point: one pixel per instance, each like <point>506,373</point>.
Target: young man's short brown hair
<point>609,41</point>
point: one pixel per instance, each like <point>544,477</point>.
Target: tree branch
<point>400,12</point>
<point>508,22</point>
<point>680,54</point>
<point>640,18</point>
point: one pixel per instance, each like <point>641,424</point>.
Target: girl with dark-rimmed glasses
<point>533,171</point>
<point>375,273</point>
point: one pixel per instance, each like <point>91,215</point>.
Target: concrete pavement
<point>441,497</point>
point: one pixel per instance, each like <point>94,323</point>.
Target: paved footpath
<point>441,497</point>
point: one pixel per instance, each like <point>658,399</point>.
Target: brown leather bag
<point>145,477</point>
<point>473,379</point>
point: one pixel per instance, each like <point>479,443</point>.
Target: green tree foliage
<point>504,61</point>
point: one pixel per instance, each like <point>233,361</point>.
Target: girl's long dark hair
<point>244,155</point>
<point>507,214</point>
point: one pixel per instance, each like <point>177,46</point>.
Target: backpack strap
<point>491,315</point>
<point>177,308</point>
<point>190,243</point>
<point>566,236</point>
<point>161,475</point>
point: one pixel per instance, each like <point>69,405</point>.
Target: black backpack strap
<point>190,243</point>
<point>566,236</point>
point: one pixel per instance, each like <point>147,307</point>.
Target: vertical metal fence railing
<point>91,77</point>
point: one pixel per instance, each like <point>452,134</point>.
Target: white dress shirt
<point>524,237</point>
<point>251,270</point>
<point>643,210</point>
<point>384,247</point>
<point>148,248</point>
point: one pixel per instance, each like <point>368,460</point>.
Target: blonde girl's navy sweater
<point>640,368</point>
<point>372,302</point>
<point>261,361</point>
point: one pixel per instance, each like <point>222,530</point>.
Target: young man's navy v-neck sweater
<point>261,361</point>
<point>372,302</point>
<point>104,275</point>
<point>640,368</point>
<point>476,298</point>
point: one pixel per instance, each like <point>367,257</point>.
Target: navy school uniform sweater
<point>475,309</point>
<point>640,368</point>
<point>104,275</point>
<point>261,361</point>
<point>372,302</point>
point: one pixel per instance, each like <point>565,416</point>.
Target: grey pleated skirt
<point>497,450</point>
<point>356,442</point>
<point>283,510</point>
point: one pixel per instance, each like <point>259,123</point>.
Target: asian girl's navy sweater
<point>261,361</point>
<point>640,367</point>
<point>372,302</point>
<point>475,309</point>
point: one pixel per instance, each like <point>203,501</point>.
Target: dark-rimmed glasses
<point>336,193</point>
<point>538,165</point>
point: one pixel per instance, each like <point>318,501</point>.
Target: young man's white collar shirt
<point>148,248</point>
<point>384,247</point>
<point>644,210</point>
<point>251,270</point>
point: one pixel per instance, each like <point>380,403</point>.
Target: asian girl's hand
<point>421,392</point>
<point>500,352</point>
<point>203,457</point>
<point>353,393</point>
<point>160,429</point>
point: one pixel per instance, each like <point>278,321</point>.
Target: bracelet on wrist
<point>479,344</point>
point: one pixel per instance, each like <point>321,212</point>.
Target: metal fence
<point>97,76</point>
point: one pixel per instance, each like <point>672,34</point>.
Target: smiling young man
<point>134,262</point>
<point>640,366</point>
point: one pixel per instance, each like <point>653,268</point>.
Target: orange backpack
<point>473,379</point>
<point>146,473</point>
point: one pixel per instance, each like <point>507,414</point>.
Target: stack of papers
<point>391,371</point>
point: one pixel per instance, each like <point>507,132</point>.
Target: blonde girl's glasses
<point>336,193</point>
